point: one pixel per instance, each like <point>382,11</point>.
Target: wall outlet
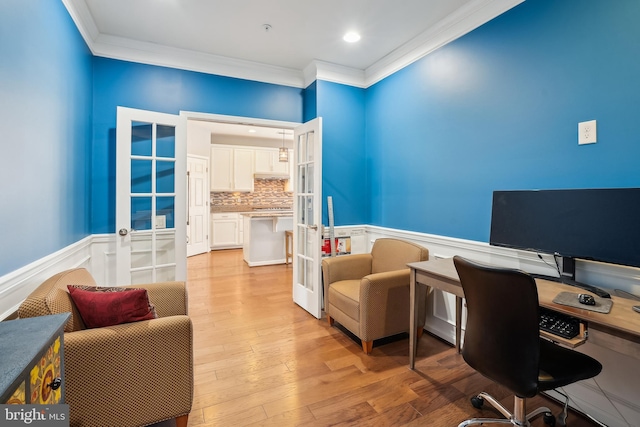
<point>587,132</point>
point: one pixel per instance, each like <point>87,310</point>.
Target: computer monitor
<point>592,224</point>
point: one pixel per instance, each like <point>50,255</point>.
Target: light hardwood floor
<point>260,360</point>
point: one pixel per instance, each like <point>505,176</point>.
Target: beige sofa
<point>368,294</point>
<point>133,374</point>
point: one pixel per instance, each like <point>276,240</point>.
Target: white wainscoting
<point>15,286</point>
<point>611,398</point>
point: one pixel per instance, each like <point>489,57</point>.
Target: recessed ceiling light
<point>351,37</point>
<point>252,131</point>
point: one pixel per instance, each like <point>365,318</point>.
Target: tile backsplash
<point>266,193</point>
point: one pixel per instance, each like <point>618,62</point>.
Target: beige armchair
<point>368,294</point>
<point>132,374</point>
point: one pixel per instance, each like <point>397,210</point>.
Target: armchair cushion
<point>110,306</point>
<point>345,296</point>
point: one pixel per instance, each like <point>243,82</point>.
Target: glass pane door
<point>148,206</point>
<point>307,289</point>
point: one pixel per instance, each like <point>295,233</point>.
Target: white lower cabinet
<point>226,231</point>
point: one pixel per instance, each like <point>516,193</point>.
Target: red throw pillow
<point>101,307</point>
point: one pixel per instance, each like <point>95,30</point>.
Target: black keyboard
<point>559,324</point>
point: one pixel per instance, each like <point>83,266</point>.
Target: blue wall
<point>344,163</point>
<point>45,117</point>
<point>119,83</point>
<point>499,109</point>
<point>310,108</point>
<point>421,150</point>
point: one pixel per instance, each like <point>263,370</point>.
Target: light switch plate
<point>161,221</point>
<point>587,132</point>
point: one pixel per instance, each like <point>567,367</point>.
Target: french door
<point>307,217</point>
<point>150,197</point>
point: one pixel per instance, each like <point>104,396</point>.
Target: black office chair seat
<point>502,342</point>
<point>560,366</point>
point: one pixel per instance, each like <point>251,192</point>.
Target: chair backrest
<point>502,338</point>
<point>52,297</point>
<point>394,254</point>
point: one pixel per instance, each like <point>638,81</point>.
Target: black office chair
<point>502,341</point>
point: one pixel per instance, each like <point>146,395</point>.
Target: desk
<point>621,321</point>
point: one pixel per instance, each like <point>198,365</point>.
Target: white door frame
<point>239,120</point>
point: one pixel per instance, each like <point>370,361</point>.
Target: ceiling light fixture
<point>283,153</point>
<point>351,37</point>
<point>252,131</point>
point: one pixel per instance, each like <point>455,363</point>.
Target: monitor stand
<point>567,267</point>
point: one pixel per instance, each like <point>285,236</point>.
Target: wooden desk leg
<point>413,314</point>
<point>458,322</point>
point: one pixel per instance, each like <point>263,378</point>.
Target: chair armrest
<point>384,304</point>
<point>346,267</point>
<point>377,284</point>
<point>169,298</point>
<point>131,374</point>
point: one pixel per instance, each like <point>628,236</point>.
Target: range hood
<point>271,175</point>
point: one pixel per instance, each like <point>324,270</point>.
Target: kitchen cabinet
<point>266,161</point>
<point>231,168</point>
<point>264,242</point>
<point>221,168</point>
<point>226,230</point>
<point>243,169</point>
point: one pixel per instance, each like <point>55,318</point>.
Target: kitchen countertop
<point>249,209</point>
<point>268,214</point>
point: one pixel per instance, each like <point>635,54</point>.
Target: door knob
<point>123,232</point>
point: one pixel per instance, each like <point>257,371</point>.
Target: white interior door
<point>150,211</point>
<point>197,205</point>
<point>307,217</point>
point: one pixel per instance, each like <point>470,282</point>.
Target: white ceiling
<point>304,43</point>
<point>246,131</point>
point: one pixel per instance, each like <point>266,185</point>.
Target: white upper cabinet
<point>243,169</point>
<point>267,161</point>
<point>221,168</point>
<point>231,168</point>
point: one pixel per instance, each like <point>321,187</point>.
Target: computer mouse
<point>586,299</point>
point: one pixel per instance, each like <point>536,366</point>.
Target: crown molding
<point>319,70</point>
<point>84,21</point>
<point>461,22</point>
<point>154,54</point>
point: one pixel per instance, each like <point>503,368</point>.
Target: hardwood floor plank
<point>260,360</point>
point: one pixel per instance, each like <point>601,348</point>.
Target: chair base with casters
<point>517,418</point>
